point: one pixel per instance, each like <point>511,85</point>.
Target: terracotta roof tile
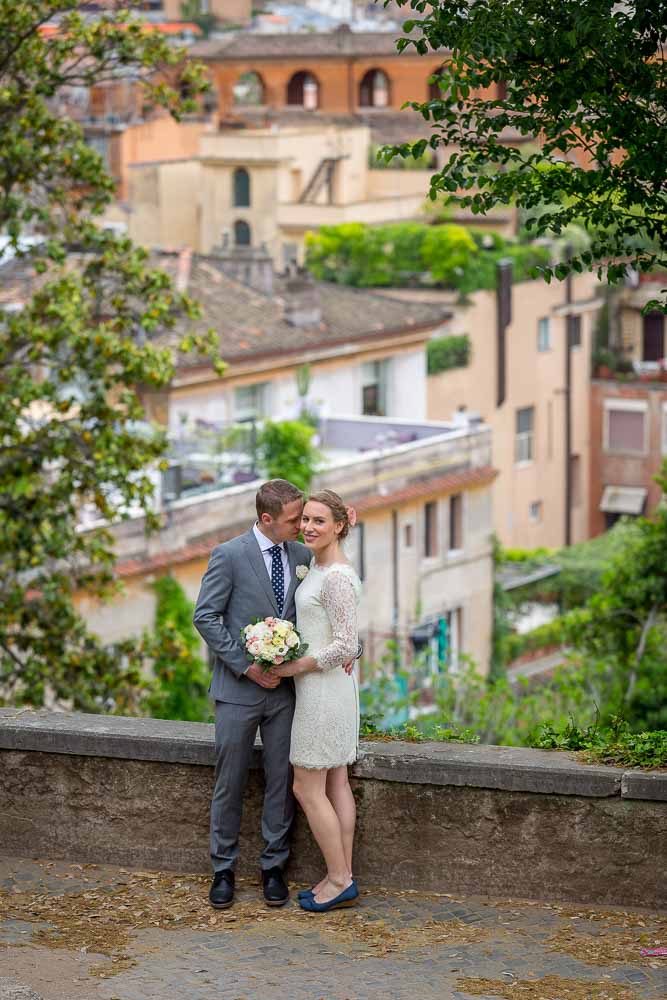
<point>300,45</point>
<point>449,483</point>
<point>251,325</point>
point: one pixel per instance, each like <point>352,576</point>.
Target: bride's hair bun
<point>337,508</point>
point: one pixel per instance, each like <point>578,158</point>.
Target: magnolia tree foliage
<point>73,358</point>
<point>587,84</point>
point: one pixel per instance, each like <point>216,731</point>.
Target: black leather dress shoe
<point>221,893</point>
<point>276,892</point>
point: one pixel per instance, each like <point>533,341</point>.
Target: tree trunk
<point>646,628</point>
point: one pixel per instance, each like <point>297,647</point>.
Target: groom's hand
<point>260,676</point>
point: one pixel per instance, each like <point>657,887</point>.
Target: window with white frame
<point>374,378</point>
<point>543,334</point>
<point>455,629</point>
<point>359,538</point>
<point>431,529</point>
<point>625,426</point>
<point>455,522</point>
<point>525,433</point>
<point>250,401</point>
<point>574,328</point>
<point>664,428</point>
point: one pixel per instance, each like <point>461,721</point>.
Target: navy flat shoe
<point>347,897</point>
<point>302,893</point>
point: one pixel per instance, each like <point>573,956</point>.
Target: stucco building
<point>339,73</point>
<point>228,11</point>
<point>268,186</point>
<point>365,353</point>
<point>517,380</point>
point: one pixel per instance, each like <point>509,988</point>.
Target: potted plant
<point>604,363</point>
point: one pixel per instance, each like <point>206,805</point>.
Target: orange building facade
<point>628,447</point>
<point>338,73</point>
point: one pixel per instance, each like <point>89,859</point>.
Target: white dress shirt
<point>265,544</point>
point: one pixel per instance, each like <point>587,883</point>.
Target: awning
<point>623,499</point>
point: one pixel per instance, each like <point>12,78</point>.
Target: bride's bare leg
<point>311,793</point>
<point>341,797</point>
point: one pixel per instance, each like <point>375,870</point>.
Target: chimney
<point>251,266</point>
<point>302,301</point>
<point>183,270</point>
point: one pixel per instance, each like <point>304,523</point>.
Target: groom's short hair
<point>272,497</point>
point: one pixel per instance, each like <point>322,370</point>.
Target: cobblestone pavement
<point>85,932</point>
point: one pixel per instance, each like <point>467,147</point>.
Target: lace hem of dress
<point>326,767</point>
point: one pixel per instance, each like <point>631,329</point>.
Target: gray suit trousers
<point>235,730</point>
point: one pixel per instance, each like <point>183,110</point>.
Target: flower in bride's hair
<point>351,516</point>
<point>301,572</point>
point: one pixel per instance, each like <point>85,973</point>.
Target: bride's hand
<point>304,665</point>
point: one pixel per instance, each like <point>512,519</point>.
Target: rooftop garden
<point>416,254</point>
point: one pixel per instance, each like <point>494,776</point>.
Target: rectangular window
<point>374,388</point>
<point>408,536</point>
<point>653,336</point>
<point>543,334</point>
<point>290,255</point>
<point>664,428</point>
<point>455,635</point>
<point>525,426</point>
<point>250,401</point>
<point>361,549</point>
<point>431,528</point>
<point>535,511</point>
<point>575,331</point>
<point>624,426</point>
<point>455,522</point>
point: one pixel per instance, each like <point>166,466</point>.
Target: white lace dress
<point>326,718</point>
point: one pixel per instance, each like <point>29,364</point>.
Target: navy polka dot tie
<point>278,576</point>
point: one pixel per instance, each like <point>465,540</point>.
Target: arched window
<point>241,188</point>
<point>374,89</point>
<point>303,91</point>
<point>241,233</point>
<point>434,92</point>
<point>249,89</point>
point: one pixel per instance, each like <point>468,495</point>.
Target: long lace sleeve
<point>339,599</point>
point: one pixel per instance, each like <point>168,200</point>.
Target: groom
<point>252,576</point>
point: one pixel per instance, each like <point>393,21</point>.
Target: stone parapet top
<point>513,769</point>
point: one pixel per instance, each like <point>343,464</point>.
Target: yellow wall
<point>533,379</point>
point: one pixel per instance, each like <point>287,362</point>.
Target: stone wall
<point>440,817</point>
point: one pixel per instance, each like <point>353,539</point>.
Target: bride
<point>326,719</point>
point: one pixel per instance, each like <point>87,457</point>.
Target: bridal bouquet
<point>272,641</point>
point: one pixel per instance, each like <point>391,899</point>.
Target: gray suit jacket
<point>235,590</point>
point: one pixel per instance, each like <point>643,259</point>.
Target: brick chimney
<point>251,266</point>
<point>302,301</point>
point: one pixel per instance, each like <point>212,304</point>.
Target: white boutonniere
<point>301,572</point>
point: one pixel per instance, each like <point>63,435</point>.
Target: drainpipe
<point>568,404</point>
<point>395,584</point>
<point>503,319</point>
